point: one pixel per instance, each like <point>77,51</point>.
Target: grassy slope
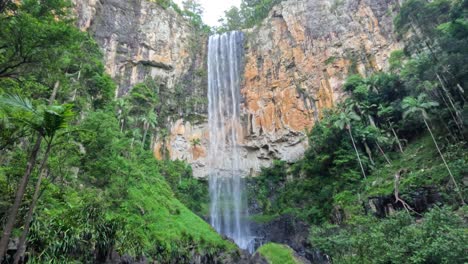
<point>164,221</point>
<point>424,168</point>
<point>157,225</point>
<point>278,254</point>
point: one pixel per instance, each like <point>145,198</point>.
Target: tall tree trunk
<point>371,121</point>
<point>369,152</point>
<point>458,120</point>
<point>445,163</point>
<point>54,92</point>
<point>461,91</point>
<point>357,152</point>
<point>19,197</point>
<point>383,153</point>
<point>36,193</point>
<point>396,138</point>
<point>27,224</point>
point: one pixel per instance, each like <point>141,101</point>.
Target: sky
<point>214,9</point>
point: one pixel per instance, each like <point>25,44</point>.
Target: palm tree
<point>379,139</point>
<point>149,121</point>
<point>365,134</point>
<point>122,112</point>
<point>59,118</point>
<point>45,121</point>
<point>366,110</point>
<point>344,121</point>
<point>420,106</point>
<point>386,113</point>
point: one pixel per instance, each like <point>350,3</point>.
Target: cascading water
<point>228,213</point>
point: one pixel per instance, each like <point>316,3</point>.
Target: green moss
<point>278,254</point>
<point>260,218</point>
<point>330,60</point>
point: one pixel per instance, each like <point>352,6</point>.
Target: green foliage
<point>192,192</point>
<point>72,222</point>
<point>384,111</point>
<point>278,254</point>
<point>425,168</point>
<point>396,60</point>
<point>418,105</point>
<point>41,48</point>
<point>439,238</point>
<point>306,189</point>
<point>168,4</point>
<point>144,113</point>
<point>193,11</point>
<point>250,14</point>
<point>330,60</point>
<point>137,213</point>
<point>160,226</point>
<point>102,190</point>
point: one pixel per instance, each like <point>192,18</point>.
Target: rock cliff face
<point>296,62</point>
<point>141,39</point>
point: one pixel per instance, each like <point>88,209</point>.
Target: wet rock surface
<point>290,231</point>
<point>420,200</point>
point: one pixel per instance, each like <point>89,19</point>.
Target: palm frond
<point>15,101</point>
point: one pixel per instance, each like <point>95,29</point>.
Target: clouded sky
<point>214,9</point>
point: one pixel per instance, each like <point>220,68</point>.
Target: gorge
<point>296,131</point>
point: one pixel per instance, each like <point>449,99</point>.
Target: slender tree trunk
<point>357,152</point>
<point>458,120</point>
<point>22,243</point>
<point>27,224</point>
<point>450,133</point>
<point>383,153</point>
<point>397,139</point>
<point>461,91</point>
<point>54,92</point>
<point>445,163</point>
<point>441,95</point>
<point>369,152</point>
<point>19,197</point>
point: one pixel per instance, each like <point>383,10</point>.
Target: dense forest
<point>78,179</point>
<point>383,181</point>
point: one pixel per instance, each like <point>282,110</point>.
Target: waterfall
<point>228,210</point>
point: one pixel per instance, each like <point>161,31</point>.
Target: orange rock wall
<point>297,60</point>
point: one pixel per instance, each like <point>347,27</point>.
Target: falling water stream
<point>228,211</point>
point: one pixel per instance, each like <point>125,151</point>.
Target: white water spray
<point>228,213</point>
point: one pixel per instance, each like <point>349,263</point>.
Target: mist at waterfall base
<point>228,209</point>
